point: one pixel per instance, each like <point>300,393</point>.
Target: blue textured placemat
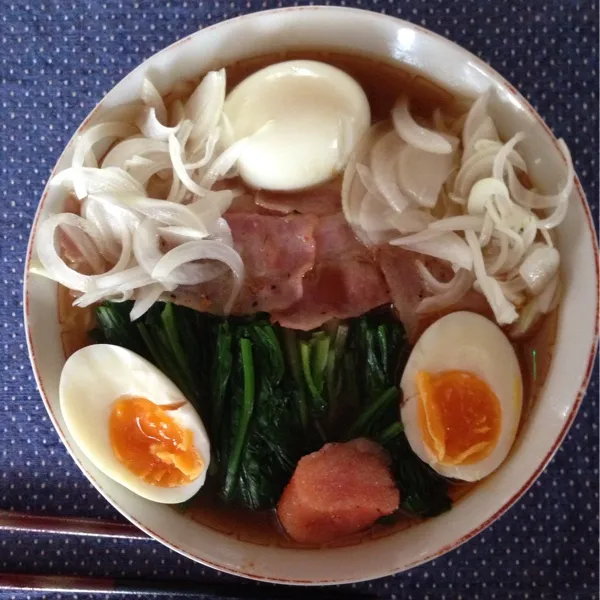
<point>58,59</point>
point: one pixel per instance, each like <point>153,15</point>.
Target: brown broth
<point>382,83</point>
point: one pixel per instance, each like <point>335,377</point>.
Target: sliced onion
<point>122,281</point>
<point>432,283</point>
<point>203,250</point>
<point>94,212</point>
<point>176,113</point>
<point>180,170</point>
<point>136,146</point>
<point>223,163</point>
<point>145,298</point>
<point>557,217</point>
<point>458,223</point>
<point>211,142</point>
<point>444,245</point>
<point>373,222</point>
<point>142,173</point>
<point>49,256</point>
<point>498,263</point>
<point>477,113</point>
<point>110,181</point>
<point>176,235</point>
<point>501,159</point>
<point>383,168</point>
<point>504,311</point>
<point>486,131</point>
<point>168,213</point>
<point>483,193</point>
<point>477,167</point>
<point>86,247</point>
<point>352,194</point>
<point>83,155</point>
<point>152,128</point>
<point>205,106</point>
<point>421,174</point>
<point>415,135</point>
<point>152,99</point>
<point>456,289</point>
<point>412,220</point>
<point>146,244</point>
<point>539,268</point>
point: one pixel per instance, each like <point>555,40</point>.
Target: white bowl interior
<point>397,42</point>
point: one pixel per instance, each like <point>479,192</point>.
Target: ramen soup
<point>308,298</point>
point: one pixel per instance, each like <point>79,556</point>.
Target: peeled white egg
<point>96,377</point>
<point>302,119</point>
<point>457,347</point>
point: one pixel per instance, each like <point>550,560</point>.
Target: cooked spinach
<point>271,395</point>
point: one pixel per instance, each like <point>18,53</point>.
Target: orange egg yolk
<point>459,415</point>
<point>148,441</point>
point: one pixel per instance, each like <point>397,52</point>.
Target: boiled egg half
<point>463,394</point>
<point>301,120</point>
<point>133,423</point>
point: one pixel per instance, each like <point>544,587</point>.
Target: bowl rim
<point>493,75</point>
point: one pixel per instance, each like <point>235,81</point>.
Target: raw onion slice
<point>475,117</point>
<point>146,245</point>
<point>94,212</point>
<point>353,194</point>
<point>167,213</point>
<point>203,250</point>
<point>152,99</point>
<point>485,132</point>
<point>383,169</point>
<point>477,167</point>
<point>204,107</point>
<point>83,154</point>
<point>421,174</point>
<point>455,291</point>
<point>223,164</point>
<point>459,223</point>
<point>88,248</point>
<point>415,135</point>
<point>49,257</point>
<point>145,298</point>
<point>180,170</point>
<point>539,267</point>
<point>377,229</point>
<point>501,159</point>
<point>152,128</point>
<point>110,181</point>
<point>209,150</point>
<point>562,198</point>
<point>504,311</point>
<point>134,146</point>
<point>443,245</point>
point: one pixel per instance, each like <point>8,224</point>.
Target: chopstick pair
<point>14,521</point>
<point>217,591</point>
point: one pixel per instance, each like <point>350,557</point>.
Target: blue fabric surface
<point>59,59</point>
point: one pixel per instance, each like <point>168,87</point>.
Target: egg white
<point>91,380</point>
<point>302,119</point>
<point>468,342</point>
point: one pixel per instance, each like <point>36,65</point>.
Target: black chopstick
<point>18,521</point>
<point>218,591</point>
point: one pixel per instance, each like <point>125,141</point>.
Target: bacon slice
<point>345,281</point>
<point>277,253</point>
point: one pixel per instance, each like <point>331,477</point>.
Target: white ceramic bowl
<point>456,69</point>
